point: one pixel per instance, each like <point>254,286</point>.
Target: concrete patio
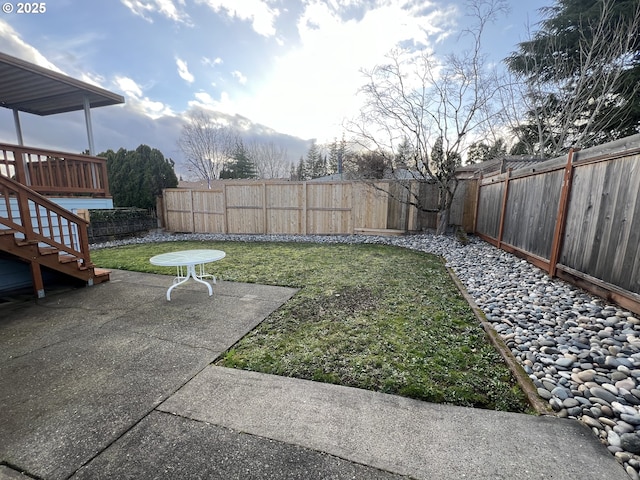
<point>113,381</point>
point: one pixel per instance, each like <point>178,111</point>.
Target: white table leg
<point>191,272</point>
<point>198,279</point>
<point>201,273</point>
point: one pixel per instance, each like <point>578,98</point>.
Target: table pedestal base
<point>183,276</point>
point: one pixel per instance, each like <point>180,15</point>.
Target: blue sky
<point>291,66</point>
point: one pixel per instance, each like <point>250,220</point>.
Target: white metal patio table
<point>186,262</point>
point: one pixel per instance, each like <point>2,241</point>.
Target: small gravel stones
<point>582,354</point>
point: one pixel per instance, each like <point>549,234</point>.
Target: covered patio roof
<point>33,89</point>
<point>27,87</point>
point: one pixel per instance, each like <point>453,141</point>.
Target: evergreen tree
<point>313,164</point>
<point>337,154</point>
<point>241,165</point>
<point>483,151</point>
<point>301,171</point>
<point>137,177</point>
<point>405,155</point>
<point>582,76</point>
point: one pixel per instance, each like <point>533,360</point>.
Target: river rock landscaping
<point>582,354</point>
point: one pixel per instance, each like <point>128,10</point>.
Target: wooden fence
<point>268,207</point>
<point>577,217</point>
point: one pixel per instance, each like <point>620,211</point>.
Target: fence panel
<point>285,205</point>
<point>245,208</point>
<point>429,199</point>
<point>489,209</point>
<point>370,206</point>
<point>602,233</point>
<point>531,212</point>
<point>329,208</point>
<point>208,211</point>
<point>178,210</point>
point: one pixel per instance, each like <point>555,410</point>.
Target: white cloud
<point>12,44</point>
<point>166,8</point>
<point>313,87</point>
<point>207,102</point>
<point>261,15</point>
<point>211,63</point>
<point>239,76</point>
<point>93,79</point>
<point>136,100</point>
<point>183,71</point>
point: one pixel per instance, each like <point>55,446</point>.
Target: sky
<point>284,69</point>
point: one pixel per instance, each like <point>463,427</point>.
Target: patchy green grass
<point>369,316</point>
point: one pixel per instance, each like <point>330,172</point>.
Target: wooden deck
<point>34,229</point>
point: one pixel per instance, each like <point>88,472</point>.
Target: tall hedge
<point>137,177</point>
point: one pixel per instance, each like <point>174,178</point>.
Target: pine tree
<point>301,171</point>
<point>241,165</point>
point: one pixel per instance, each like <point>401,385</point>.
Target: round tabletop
<point>187,257</point>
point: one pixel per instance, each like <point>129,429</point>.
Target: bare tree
<point>569,86</point>
<point>429,106</point>
<point>206,145</point>
<point>271,160</point>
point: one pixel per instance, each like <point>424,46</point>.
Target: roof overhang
<point>33,89</point>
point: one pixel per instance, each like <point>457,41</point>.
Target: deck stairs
<point>42,234</point>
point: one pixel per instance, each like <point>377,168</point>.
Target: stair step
<point>24,243</point>
<point>48,250</point>
<point>65,258</point>
<point>8,231</point>
<point>100,275</point>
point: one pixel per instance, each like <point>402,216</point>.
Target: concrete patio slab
<point>409,437</point>
<point>166,446</point>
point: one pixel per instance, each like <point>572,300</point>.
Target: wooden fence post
<point>265,228</point>
<point>304,208</point>
<point>503,210</point>
<point>193,214</point>
<point>224,207</point>
<point>561,217</point>
<point>477,206</point>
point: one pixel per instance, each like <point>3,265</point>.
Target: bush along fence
<point>576,216</point>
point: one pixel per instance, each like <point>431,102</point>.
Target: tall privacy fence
<point>305,208</point>
<point>576,216</point>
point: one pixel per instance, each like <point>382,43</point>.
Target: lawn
<point>376,317</point>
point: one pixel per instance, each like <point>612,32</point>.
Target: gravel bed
<point>582,353</point>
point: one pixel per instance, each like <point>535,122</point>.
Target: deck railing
<point>54,173</point>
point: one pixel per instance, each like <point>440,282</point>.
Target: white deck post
<point>87,119</point>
